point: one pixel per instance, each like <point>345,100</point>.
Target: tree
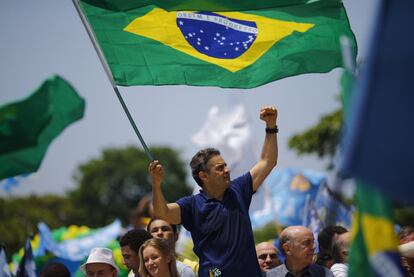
<point>110,186</point>
<point>321,139</point>
<point>268,232</point>
<point>19,217</point>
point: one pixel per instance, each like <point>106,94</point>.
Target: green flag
<point>374,245</point>
<point>374,249</point>
<point>241,44</point>
<point>28,127</point>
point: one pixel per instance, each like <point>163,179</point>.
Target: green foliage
<point>107,188</point>
<point>175,185</point>
<point>19,217</point>
<point>268,232</point>
<point>321,139</point>
<point>110,186</point>
<point>404,215</point>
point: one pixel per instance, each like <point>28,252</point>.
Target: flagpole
<point>110,77</point>
<point>340,183</point>
<point>134,126</point>
<point>94,42</point>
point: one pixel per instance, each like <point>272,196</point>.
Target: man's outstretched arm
<point>268,158</point>
<point>169,212</point>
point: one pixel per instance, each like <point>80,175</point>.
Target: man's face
<point>218,173</point>
<point>345,240</point>
<point>130,258</point>
<point>267,257</point>
<point>162,229</point>
<point>100,270</point>
<point>302,248</point>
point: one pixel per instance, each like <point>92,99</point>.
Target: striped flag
<point>27,267</point>
<point>4,267</point>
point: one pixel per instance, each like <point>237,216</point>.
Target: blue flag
<point>27,267</point>
<point>311,218</point>
<point>286,192</point>
<point>326,210</point>
<point>79,248</point>
<point>331,209</point>
<point>4,267</point>
<point>378,144</point>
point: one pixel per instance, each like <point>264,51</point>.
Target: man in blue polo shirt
<point>218,217</point>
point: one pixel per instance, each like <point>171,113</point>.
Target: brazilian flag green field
<point>231,44</point>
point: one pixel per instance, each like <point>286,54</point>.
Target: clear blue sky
<point>45,37</point>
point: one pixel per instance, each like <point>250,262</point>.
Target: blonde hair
<point>165,250</point>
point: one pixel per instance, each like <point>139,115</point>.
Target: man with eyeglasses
<point>267,256</point>
<point>298,246</point>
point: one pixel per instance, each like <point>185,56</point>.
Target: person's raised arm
<point>169,212</point>
<point>268,158</point>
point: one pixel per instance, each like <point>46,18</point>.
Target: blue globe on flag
<point>215,35</point>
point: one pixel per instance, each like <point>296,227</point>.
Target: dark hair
<point>326,235</point>
<point>325,238</point>
<point>323,257</point>
<point>337,246</point>
<point>134,239</point>
<point>405,231</point>
<point>55,270</point>
<point>173,226</point>
<point>336,249</point>
<point>199,162</point>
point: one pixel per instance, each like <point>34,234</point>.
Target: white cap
<point>100,255</point>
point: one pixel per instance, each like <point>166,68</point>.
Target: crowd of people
<point>150,253</point>
<point>218,220</point>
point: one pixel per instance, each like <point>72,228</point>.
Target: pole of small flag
<point>110,77</point>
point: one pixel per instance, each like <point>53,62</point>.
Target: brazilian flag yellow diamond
<point>231,40</point>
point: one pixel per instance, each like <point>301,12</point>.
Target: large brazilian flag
<point>225,43</point>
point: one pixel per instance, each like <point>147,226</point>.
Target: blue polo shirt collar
<point>212,199</point>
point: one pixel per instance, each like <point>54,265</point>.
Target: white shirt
<point>183,270</point>
<point>340,270</point>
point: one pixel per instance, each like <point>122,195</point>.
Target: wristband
<point>272,130</point>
